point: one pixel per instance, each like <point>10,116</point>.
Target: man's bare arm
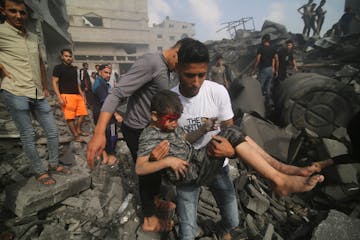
<point>257,61</point>
<point>43,78</point>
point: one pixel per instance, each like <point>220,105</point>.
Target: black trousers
<point>149,185</point>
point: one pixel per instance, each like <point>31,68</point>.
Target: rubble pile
<point>313,108</point>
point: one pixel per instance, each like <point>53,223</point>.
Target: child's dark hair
<point>193,52</point>
<point>165,102</point>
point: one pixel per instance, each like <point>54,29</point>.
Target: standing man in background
<point>24,88</point>
<point>218,72</point>
<point>101,89</point>
<point>286,57</point>
<point>69,94</point>
<point>266,60</point>
<point>85,84</point>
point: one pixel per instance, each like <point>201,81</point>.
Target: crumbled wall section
<point>49,20</point>
<point>355,6</point>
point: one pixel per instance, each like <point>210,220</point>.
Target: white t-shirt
<point>212,101</point>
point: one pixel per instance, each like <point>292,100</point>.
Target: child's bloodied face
<point>168,122</point>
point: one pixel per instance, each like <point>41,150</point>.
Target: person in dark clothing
<point>345,21</point>
<point>147,76</point>
<point>266,60</point>
<point>85,84</point>
<point>306,14</point>
<point>100,90</point>
<point>286,58</point>
<point>320,16</point>
<point>69,94</point>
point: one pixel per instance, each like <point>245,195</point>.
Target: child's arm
<point>209,125</point>
<point>144,166</point>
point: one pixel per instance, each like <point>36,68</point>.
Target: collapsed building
<point>314,111</point>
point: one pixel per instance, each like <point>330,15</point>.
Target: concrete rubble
<point>309,124</point>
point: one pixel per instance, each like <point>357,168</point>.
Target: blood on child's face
<point>168,122</point>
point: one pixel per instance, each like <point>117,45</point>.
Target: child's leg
<point>283,184</point>
<point>288,169</point>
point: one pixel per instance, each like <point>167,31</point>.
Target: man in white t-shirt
<point>203,100</point>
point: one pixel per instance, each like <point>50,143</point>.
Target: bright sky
<point>208,15</point>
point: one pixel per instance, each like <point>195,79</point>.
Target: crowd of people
<point>184,135</point>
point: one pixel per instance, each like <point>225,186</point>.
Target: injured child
<point>183,164</point>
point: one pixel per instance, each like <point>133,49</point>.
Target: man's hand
<point>118,117</point>
<point>61,101</point>
<point>95,148</point>
<point>178,165</point>
<point>46,92</point>
<point>220,147</point>
<point>160,151</point>
<point>3,72</point>
<point>275,73</point>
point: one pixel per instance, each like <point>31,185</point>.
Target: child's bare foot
<point>307,171</point>
<point>162,205</point>
<point>112,160</point>
<point>293,184</point>
<point>155,224</point>
<point>322,164</point>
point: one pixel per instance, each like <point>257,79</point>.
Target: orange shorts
<point>74,106</point>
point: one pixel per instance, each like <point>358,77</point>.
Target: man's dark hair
<point>289,41</point>
<point>166,102</point>
<point>266,38</point>
<point>182,42</point>
<point>193,52</point>
<point>66,50</point>
<point>85,63</point>
<point>219,56</point>
<point>2,2</point>
<point>103,66</point>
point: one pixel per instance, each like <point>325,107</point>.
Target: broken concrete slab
<point>54,232</point>
<point>334,148</point>
<point>246,96</point>
<point>29,196</point>
<point>274,140</point>
<point>337,226</point>
<point>148,235</point>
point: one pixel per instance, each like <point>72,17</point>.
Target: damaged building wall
<point>49,21</point>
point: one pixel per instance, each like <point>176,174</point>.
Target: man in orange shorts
<point>69,94</point>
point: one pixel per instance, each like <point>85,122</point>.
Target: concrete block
<point>73,202</point>
<point>269,232</point>
<point>334,147</point>
<point>271,138</point>
<point>29,196</point>
<point>54,232</point>
<point>148,235</point>
<point>337,226</point>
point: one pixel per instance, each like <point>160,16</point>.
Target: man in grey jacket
<point>147,76</point>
